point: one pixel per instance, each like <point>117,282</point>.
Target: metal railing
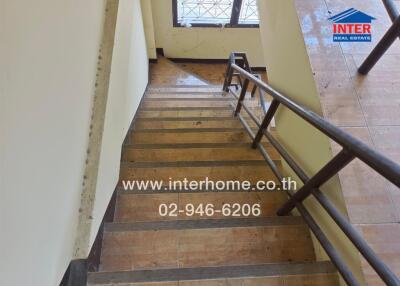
<point>352,148</point>
<point>386,41</point>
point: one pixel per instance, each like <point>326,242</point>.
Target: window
<point>215,13</point>
<point>249,12</point>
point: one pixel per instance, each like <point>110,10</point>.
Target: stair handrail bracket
<point>352,148</point>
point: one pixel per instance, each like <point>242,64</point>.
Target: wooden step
<point>195,154</point>
<point>288,274</point>
<point>191,136</point>
<point>190,96</point>
<point>193,104</point>
<point>195,124</point>
<point>205,243</point>
<point>232,171</point>
<point>145,207</point>
<point>184,113</point>
<point>184,89</point>
<point>198,104</point>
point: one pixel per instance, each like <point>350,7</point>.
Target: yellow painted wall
<point>203,43</point>
<point>289,72</point>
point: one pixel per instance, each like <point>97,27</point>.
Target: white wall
<point>203,43</point>
<point>48,57</point>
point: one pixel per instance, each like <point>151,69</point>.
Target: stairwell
<point>188,131</point>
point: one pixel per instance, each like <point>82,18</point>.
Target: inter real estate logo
<point>352,26</point>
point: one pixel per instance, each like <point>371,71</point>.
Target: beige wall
<point>148,23</point>
<point>289,71</point>
<point>129,76</point>
<point>203,43</point>
<point>48,58</point>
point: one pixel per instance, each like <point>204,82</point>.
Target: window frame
<point>234,22</point>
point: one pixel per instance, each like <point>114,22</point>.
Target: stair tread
<point>189,96</point>
<point>188,108</point>
<point>182,123</point>
<point>190,130</point>
<point>188,145</point>
<point>192,136</point>
<point>250,173</point>
<point>211,273</point>
<point>184,113</point>
<point>195,154</point>
<point>143,206</point>
<point>203,163</point>
<point>204,247</point>
<point>192,104</point>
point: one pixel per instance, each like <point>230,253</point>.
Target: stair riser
<point>195,124</point>
<point>185,113</point>
<point>205,247</point>
<point>212,96</point>
<point>145,207</point>
<point>183,90</point>
<point>189,103</point>
<point>194,154</point>
<point>253,174</point>
<point>143,125</point>
<point>191,137</point>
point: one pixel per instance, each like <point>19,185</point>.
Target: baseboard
<point>76,274</point>
<point>209,61</point>
<point>259,69</point>
<point>199,61</point>
<point>153,61</point>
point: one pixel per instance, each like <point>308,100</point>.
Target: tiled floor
<point>168,73</point>
<point>367,107</point>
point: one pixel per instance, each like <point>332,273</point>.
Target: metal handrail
<point>386,41</point>
<point>352,148</point>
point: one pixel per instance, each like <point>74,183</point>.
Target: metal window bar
<point>352,148</point>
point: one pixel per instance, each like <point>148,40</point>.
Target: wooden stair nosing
<point>212,273</point>
<point>204,224</point>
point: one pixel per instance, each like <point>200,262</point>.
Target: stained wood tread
<point>205,243</point>
<point>143,206</point>
<point>214,273</point>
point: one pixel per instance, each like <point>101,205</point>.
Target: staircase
<point>189,132</point>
